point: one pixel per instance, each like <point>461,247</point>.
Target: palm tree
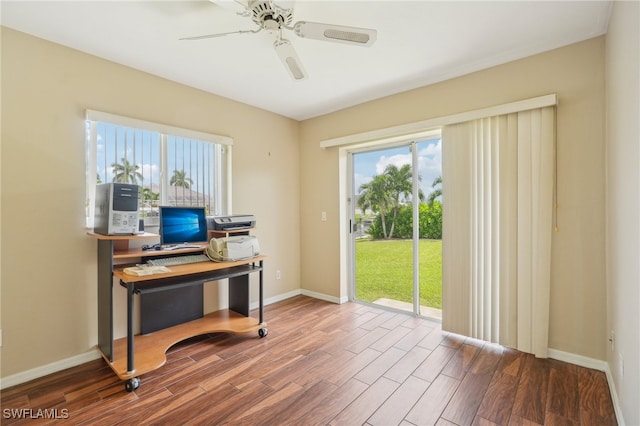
<point>150,200</point>
<point>436,191</point>
<point>386,193</point>
<point>149,195</point>
<point>126,172</point>
<point>180,179</point>
<point>400,182</point>
<point>374,196</point>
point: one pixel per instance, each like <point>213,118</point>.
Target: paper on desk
<point>145,270</point>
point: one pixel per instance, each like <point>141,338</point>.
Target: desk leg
<point>105,298</point>
<point>130,360</point>
<point>261,300</point>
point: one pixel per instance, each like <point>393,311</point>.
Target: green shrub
<point>430,222</point>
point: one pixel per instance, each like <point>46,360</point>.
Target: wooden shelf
<point>150,349</point>
<point>189,269</point>
<point>121,242</point>
<point>122,237</point>
<point>221,234</point>
<point>128,253</point>
<point>121,248</point>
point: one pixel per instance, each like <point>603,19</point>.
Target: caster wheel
<point>132,384</point>
<point>263,332</point>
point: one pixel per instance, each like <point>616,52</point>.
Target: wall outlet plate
<point>612,340</point>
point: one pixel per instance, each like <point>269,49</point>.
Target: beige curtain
<point>497,178</point>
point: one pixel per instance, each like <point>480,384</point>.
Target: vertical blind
<point>498,175</point>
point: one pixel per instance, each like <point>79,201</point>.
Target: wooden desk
<point>134,355</point>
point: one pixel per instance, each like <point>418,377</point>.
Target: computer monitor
<point>179,225</point>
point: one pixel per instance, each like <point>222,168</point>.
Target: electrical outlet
<point>323,216</point>
<point>278,276</point>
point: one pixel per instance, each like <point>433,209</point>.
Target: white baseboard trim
<point>54,367</point>
<point>325,297</point>
<point>614,396</point>
<point>580,360</point>
<point>595,364</point>
<point>275,299</point>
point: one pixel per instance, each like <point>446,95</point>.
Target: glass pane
<point>191,167</point>
<point>384,227</point>
<point>130,155</point>
<point>430,219</point>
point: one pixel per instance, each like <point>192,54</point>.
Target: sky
<point>372,163</point>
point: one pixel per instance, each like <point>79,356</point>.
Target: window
<point>172,166</point>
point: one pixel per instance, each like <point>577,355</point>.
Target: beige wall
<point>576,74</point>
<point>48,271</point>
<point>623,204</point>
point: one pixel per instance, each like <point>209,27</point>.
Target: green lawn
<point>384,270</point>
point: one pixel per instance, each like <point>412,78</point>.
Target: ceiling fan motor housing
<point>270,16</point>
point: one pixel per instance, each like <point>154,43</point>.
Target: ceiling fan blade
<point>200,37</point>
<point>289,58</point>
<point>336,33</point>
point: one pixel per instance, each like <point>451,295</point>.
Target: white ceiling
<point>418,43</point>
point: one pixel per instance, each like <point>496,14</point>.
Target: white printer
<point>237,247</point>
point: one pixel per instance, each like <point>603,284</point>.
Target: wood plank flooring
<point>326,364</point>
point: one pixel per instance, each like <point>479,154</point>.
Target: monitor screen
<point>182,225</point>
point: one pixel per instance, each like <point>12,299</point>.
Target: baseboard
<point>595,364</point>
<point>294,293</point>
<point>275,299</point>
<point>580,360</point>
<point>325,297</point>
<point>614,396</point>
<point>54,367</point>
<point>288,295</point>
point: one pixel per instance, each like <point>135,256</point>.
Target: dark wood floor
<point>328,364</point>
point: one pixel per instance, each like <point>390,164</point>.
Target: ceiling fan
<point>274,19</point>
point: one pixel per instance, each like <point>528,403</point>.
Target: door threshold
<point>425,311</point>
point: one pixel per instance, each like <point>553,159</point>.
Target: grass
<point>384,269</point>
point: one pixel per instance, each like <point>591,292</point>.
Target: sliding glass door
<point>430,228</point>
<point>396,227</point>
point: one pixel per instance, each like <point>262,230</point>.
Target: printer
<point>232,248</point>
<point>229,223</point>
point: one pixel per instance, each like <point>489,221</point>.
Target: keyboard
<point>179,260</point>
<point>141,270</point>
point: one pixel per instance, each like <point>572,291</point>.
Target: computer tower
<point>116,209</point>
